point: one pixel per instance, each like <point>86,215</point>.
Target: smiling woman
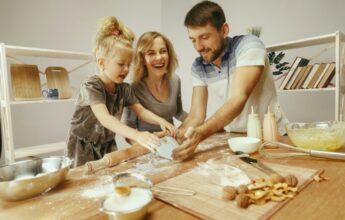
<point>155,84</point>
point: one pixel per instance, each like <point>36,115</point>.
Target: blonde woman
<point>155,83</point>
<point>102,98</point>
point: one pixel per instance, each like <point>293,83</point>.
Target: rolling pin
<point>113,158</point>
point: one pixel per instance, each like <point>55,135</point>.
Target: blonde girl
<point>155,83</point>
<point>102,98</point>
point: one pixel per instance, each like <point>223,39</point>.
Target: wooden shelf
<point>7,103</point>
<point>39,52</point>
<point>40,149</point>
<point>332,89</point>
<point>313,41</point>
<point>42,101</point>
<point>337,41</point>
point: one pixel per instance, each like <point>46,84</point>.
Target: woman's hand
<point>160,134</point>
<point>148,140</point>
<point>168,128</point>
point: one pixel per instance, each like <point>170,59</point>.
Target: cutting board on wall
<point>207,203</point>
<point>26,84</point>
<point>57,77</point>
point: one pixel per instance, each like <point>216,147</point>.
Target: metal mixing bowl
<point>329,135</point>
<point>29,178</point>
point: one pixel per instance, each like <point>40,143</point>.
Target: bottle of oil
<point>270,129</point>
<point>254,125</point>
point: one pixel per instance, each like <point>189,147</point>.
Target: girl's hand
<point>148,140</point>
<point>168,128</point>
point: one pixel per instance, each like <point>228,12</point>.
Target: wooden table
<point>70,200</point>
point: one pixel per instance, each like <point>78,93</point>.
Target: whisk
<point>297,152</point>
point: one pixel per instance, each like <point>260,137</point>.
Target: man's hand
<point>180,137</point>
<point>187,148</point>
<point>197,113</point>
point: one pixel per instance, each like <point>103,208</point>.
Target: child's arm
<point>131,120</point>
<point>146,139</point>
<point>149,117</point>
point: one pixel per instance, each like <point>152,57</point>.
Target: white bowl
<point>247,145</point>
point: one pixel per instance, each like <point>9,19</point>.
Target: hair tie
<point>116,32</point>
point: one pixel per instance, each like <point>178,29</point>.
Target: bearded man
<point>235,68</point>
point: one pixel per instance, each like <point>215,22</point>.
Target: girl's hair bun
<point>111,32</point>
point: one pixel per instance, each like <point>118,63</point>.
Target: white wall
<point>71,24</point>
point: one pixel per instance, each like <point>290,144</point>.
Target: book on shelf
<point>316,75</point>
<point>293,77</point>
<point>310,75</point>
<point>298,77</point>
<point>321,75</point>
<point>299,61</point>
<point>328,76</point>
<point>304,75</point>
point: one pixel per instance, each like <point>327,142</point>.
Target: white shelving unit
<point>7,101</point>
<point>338,40</point>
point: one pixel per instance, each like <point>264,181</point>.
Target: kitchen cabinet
<point>10,107</point>
<point>336,42</point>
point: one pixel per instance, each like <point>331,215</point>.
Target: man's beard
<point>217,52</point>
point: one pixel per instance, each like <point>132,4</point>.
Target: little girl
<point>102,98</point>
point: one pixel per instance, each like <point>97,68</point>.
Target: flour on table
<point>100,189</point>
<point>151,163</point>
<point>222,174</point>
<point>216,140</point>
<point>146,164</point>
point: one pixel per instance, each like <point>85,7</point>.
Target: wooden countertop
<point>80,195</point>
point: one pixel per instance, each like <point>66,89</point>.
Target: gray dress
<point>167,109</point>
<point>88,140</point>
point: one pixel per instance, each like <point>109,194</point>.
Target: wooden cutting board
<point>26,84</point>
<point>208,202</point>
<point>57,77</point>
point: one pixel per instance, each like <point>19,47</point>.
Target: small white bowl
<point>247,145</point>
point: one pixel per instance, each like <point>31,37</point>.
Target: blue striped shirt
<point>243,50</point>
